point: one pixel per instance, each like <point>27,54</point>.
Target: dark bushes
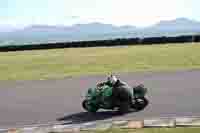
<point>107,43</point>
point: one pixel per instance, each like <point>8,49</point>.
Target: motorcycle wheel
<point>140,104</point>
<point>124,107</point>
<point>88,107</point>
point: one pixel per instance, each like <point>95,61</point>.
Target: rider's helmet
<point>112,79</point>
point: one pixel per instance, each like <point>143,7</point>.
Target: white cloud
<point>118,12</point>
<point>135,12</point>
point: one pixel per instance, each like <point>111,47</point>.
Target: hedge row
<point>99,43</point>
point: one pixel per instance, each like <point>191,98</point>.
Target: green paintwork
<point>101,97</point>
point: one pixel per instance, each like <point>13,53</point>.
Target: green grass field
<point>151,130</point>
<point>59,63</point>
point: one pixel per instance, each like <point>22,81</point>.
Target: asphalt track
<point>40,102</point>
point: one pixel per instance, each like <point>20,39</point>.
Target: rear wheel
<point>124,107</point>
<point>140,104</point>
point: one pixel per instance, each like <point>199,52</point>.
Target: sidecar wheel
<point>84,104</point>
<point>89,108</point>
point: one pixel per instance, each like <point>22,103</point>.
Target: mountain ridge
<point>98,31</point>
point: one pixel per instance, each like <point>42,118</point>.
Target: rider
<point>120,91</point>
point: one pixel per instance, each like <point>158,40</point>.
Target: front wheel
<point>140,104</point>
<point>89,107</point>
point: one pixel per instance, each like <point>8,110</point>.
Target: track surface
<point>39,102</point>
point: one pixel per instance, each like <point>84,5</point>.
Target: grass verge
<point>59,63</point>
<point>150,130</point>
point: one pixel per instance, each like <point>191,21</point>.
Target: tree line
<point>106,43</point>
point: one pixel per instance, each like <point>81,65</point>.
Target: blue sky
<point>118,12</point>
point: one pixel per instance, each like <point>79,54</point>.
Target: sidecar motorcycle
<point>100,97</point>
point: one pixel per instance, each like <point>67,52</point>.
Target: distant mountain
<point>7,28</point>
<point>181,24</point>
<point>94,28</point>
<point>95,31</point>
